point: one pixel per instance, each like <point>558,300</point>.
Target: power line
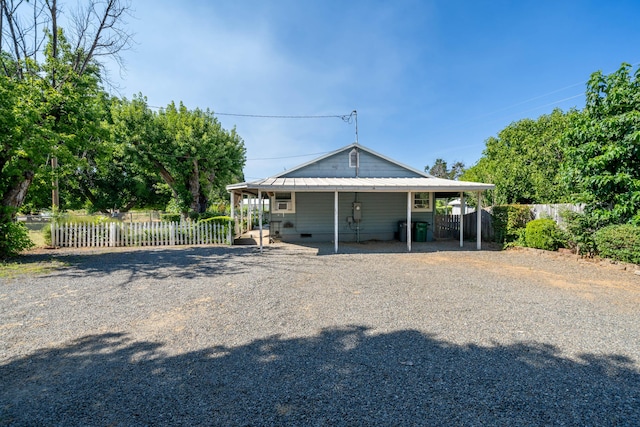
<point>266,116</point>
<point>289,157</point>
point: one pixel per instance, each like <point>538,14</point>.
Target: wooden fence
<point>448,226</point>
<point>555,211</point>
<point>111,234</point>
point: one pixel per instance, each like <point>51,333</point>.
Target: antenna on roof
<point>349,119</point>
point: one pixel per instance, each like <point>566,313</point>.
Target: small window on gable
<point>422,202</point>
<point>284,202</point>
<point>354,157</point>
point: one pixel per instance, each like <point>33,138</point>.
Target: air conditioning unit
<point>283,205</point>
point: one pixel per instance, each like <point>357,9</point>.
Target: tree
<point>54,82</point>
<point>189,149</point>
<point>602,147</point>
<point>440,169</point>
<point>524,161</point>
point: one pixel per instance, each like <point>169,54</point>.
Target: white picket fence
<point>84,235</point>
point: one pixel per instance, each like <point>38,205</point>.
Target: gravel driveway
<point>299,336</point>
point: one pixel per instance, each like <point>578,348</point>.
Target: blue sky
<point>429,79</point>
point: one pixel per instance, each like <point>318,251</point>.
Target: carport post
<point>335,221</point>
<point>260,216</point>
<point>461,219</point>
<point>479,221</point>
<point>232,196</point>
<point>241,213</point>
<point>409,221</point>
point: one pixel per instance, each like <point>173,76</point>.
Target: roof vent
<point>354,158</point>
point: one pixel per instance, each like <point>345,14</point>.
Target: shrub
<point>222,220</point>
<point>543,234</point>
<point>14,238</point>
<point>619,242</point>
<point>580,230</point>
<point>508,220</point>
<point>170,217</point>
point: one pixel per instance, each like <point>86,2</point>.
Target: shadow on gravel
<point>158,264</point>
<point>340,377</point>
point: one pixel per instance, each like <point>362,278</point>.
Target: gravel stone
<point>299,336</point>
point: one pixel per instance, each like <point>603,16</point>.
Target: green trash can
<point>421,232</point>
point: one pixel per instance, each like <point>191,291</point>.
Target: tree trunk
<point>194,188</point>
<point>14,198</point>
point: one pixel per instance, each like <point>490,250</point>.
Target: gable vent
<point>354,158</point>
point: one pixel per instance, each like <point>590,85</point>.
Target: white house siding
<point>313,220</point>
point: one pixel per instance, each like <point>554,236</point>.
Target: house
<point>349,195</point>
<point>455,207</point>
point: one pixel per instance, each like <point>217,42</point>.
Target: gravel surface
<point>300,336</point>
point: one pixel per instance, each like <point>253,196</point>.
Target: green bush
<point>222,220</point>
<point>543,234</point>
<point>509,220</point>
<point>14,238</point>
<point>619,242</point>
<point>170,217</point>
<point>580,230</point>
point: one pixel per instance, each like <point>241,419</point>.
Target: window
<point>422,202</point>
<point>354,158</point>
<point>284,202</point>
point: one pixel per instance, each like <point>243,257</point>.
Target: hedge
<point>509,221</point>
<point>619,242</point>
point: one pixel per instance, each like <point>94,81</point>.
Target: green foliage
<point>509,220</point>
<point>189,149</point>
<point>441,170</point>
<point>620,242</point>
<point>580,229</point>
<point>603,148</point>
<point>222,220</point>
<point>523,161</point>
<point>543,234</point>
<point>14,238</point>
<point>170,217</point>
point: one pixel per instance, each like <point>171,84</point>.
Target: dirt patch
<point>590,279</point>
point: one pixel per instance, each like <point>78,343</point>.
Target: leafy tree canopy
<point>440,169</point>
<point>524,160</point>
<point>189,149</point>
<point>602,147</point>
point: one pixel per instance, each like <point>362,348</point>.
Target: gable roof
<point>349,148</point>
<point>421,182</point>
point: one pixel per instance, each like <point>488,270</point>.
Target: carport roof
<point>417,184</point>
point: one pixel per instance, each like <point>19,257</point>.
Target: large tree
<point>54,80</point>
<point>189,149</point>
<point>603,147</point>
<point>524,161</point>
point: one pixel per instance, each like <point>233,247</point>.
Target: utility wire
<point>289,157</point>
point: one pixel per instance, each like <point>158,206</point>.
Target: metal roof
<point>426,184</point>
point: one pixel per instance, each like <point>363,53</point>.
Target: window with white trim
<point>422,202</point>
<point>284,202</point>
<point>354,158</point>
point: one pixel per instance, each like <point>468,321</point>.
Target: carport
<point>409,186</point>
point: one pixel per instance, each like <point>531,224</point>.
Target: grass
<point>11,270</point>
<point>37,237</point>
